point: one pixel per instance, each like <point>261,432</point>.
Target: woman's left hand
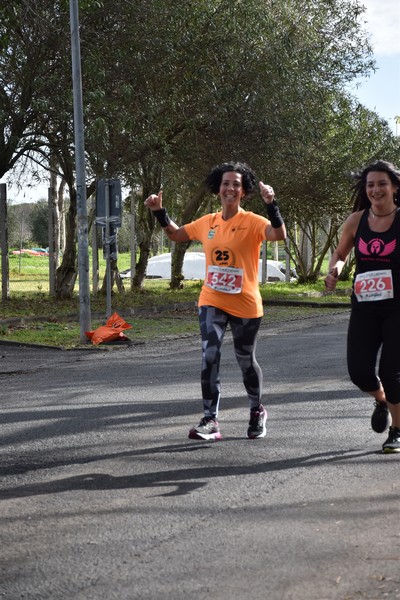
<point>154,201</point>
<point>267,193</point>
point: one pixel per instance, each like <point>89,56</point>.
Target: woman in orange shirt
<point>231,240</point>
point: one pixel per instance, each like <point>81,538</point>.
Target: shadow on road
<point>183,481</point>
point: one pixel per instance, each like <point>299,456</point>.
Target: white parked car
<point>194,268</point>
<point>273,266</point>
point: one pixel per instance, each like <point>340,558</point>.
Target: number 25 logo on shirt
<point>222,257</point>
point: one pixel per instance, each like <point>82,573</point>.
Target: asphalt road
<point>104,497</point>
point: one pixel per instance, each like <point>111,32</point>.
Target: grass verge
<point>39,319</point>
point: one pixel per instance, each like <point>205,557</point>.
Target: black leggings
<point>374,328</point>
<point>213,324</point>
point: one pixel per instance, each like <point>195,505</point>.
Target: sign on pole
<point>108,216</point>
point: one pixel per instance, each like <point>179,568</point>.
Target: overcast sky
<point>383,22</point>
<point>381,92</point>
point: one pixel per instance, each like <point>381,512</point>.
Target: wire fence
<point>29,271</point>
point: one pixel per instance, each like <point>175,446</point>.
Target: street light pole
<point>83,246</point>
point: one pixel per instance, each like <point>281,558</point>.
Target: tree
<point>31,43</point>
<point>252,80</point>
<point>316,198</point>
<point>32,70</point>
<point>252,100</point>
<point>40,224</point>
<point>19,224</point>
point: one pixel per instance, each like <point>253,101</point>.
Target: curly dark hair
<point>359,194</point>
<point>249,179</point>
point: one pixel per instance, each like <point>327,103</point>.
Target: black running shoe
<point>207,429</point>
<point>392,444</point>
<point>257,428</point>
<point>380,418</point>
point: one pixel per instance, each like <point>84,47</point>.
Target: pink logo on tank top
<point>376,247</point>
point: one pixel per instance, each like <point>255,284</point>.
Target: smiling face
<point>231,190</point>
<point>380,189</point>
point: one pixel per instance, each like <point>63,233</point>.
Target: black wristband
<point>162,217</point>
<point>274,215</point>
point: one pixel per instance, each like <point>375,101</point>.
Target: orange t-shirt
<point>232,250</point>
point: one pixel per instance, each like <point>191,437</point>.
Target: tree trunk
<point>146,228</point>
<point>61,212</point>
<point>188,215</point>
<point>115,278</point>
<point>177,266</point>
<point>67,272</point>
<point>151,177</point>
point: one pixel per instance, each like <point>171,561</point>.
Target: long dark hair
<point>359,195</point>
<point>249,179</point>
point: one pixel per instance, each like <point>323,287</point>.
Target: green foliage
<point>255,81</point>
<point>40,224</point>
<point>19,225</point>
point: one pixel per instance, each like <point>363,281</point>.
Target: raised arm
<point>174,233</point>
<point>276,230</point>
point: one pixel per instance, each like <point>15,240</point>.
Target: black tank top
<point>377,251</point>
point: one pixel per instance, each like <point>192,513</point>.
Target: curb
<point>150,310</point>
<point>136,312</point>
<point>125,313</point>
<point>312,304</point>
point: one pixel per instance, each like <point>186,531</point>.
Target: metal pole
<point>95,253</point>
<point>52,263</point>
<point>133,238</point>
<point>107,248</point>
<point>21,231</point>
<point>5,267</point>
<point>83,246</point>
<point>287,268</point>
<point>264,262</point>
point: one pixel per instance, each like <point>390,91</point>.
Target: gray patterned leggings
<point>213,324</point>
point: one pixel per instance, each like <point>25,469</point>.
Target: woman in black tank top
<point>373,230</point>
